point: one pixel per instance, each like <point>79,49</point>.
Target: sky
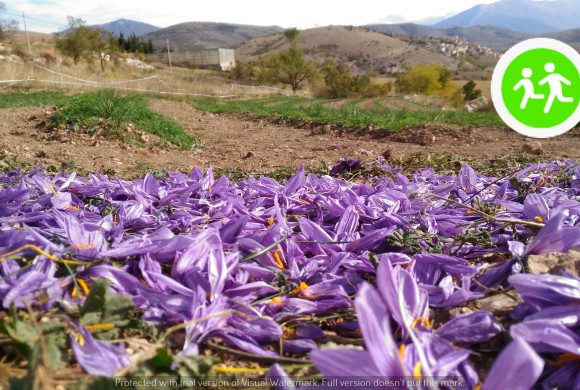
<point>50,15</point>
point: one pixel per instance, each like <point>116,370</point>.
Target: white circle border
<point>497,78</point>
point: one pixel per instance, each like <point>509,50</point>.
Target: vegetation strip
<point>298,111</point>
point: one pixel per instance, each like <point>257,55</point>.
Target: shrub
<point>339,83</point>
<point>433,80</point>
<point>87,109</point>
<point>242,72</point>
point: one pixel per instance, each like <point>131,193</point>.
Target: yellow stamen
<point>87,246</point>
<point>83,286</point>
<point>421,320</point>
<point>81,340</point>
<point>145,283</point>
<point>417,370</point>
<point>209,189</point>
<point>239,369</point>
<point>478,387</point>
<point>40,251</point>
<point>289,333</point>
<point>279,263</point>
<point>302,286</point>
<point>538,218</point>
<point>52,189</point>
<point>276,300</point>
<point>74,293</point>
<point>402,353</point>
<point>270,222</point>
<point>72,207</point>
<point>304,201</point>
<point>99,326</point>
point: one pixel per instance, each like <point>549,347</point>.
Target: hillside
<point>528,16</point>
<point>407,29</point>
<point>127,27</point>
<point>363,49</point>
<point>571,37</point>
<point>196,35</point>
<point>490,36</point>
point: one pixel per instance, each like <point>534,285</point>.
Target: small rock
<point>554,263</point>
<point>533,147</point>
<point>500,304</point>
<point>25,148</point>
<point>249,155</point>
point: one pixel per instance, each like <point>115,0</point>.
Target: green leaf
<point>56,343</point>
<point>103,306</point>
<point>198,367</point>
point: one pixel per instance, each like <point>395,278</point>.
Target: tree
<point>6,24</point>
<point>293,69</point>
<point>81,41</point>
<point>75,41</point>
<point>470,92</point>
<point>292,34</point>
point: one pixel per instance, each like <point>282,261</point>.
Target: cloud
<point>47,15</point>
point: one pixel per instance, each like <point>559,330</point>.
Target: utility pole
<point>169,56</point>
<point>26,31</point>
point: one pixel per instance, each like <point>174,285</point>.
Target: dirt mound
<point>102,132</point>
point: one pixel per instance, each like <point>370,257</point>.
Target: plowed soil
<point>235,142</point>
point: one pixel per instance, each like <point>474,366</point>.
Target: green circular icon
<point>536,87</point>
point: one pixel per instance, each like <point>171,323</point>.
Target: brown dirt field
<point>397,103</point>
<point>235,142</point>
<point>337,105</point>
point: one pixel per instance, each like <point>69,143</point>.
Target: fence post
<point>169,56</point>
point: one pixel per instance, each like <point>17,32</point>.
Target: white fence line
<point>96,84</point>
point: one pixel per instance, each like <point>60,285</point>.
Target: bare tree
<point>6,24</point>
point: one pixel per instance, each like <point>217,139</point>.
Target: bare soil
<point>240,142</point>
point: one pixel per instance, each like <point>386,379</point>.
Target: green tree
<point>292,34</point>
<point>81,41</point>
<point>75,42</point>
<point>292,68</point>
<point>470,92</point>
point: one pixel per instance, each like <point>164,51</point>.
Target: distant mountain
<point>127,27</point>
<point>195,35</point>
<point>528,16</point>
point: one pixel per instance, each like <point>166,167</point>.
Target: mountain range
<point>196,35</point>
<point>528,16</point>
<point>498,26</point>
<point>127,27</point>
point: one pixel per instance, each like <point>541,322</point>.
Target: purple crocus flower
<point>517,367</point>
<point>97,357</point>
<point>473,327</point>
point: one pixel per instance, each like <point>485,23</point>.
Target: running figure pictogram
<point>528,88</point>
<point>554,81</point>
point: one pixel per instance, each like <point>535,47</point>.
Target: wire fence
<point>255,89</point>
